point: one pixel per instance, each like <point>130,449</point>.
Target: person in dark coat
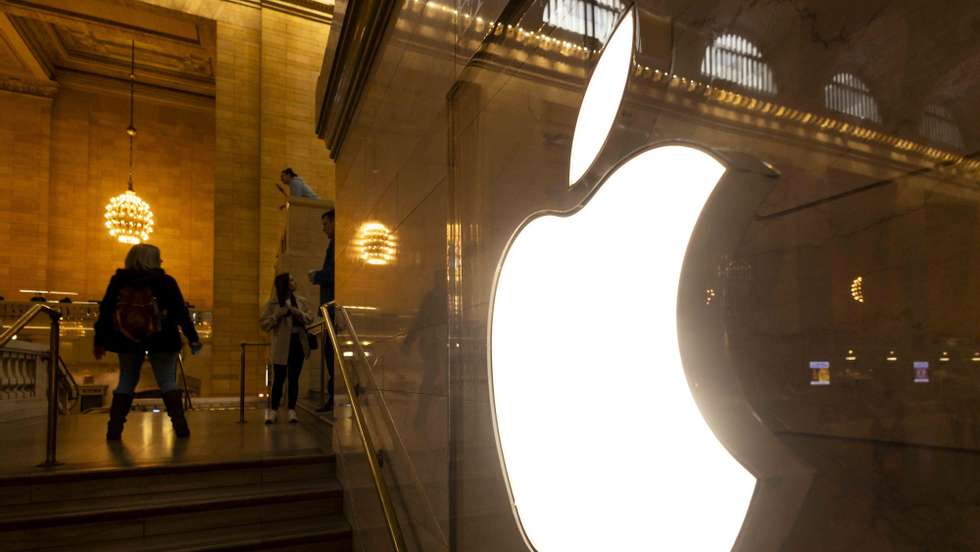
<point>325,279</point>
<point>142,272</point>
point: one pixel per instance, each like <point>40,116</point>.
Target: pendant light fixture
<point>129,218</point>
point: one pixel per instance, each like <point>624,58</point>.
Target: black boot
<point>175,409</point>
<point>117,415</point>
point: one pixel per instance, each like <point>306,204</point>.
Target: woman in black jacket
<point>139,317</point>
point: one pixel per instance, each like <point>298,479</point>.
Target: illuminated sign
<point>819,372</point>
<point>569,285</point>
<point>921,369</point>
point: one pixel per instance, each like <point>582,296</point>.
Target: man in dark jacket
<point>148,327</point>
<point>325,279</point>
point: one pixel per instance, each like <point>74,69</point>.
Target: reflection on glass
<point>709,296</point>
<point>938,126</point>
<point>376,245</point>
<point>857,289</point>
<point>848,94</point>
<point>819,372</point>
<point>921,369</point>
<point>592,18</point>
<point>733,58</point>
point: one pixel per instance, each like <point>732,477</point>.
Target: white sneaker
<point>293,418</point>
<point>270,416</point>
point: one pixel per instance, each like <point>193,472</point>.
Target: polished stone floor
<point>216,436</point>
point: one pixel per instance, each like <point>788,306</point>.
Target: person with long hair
<point>139,317</point>
<point>285,317</point>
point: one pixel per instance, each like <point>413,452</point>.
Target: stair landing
<point>148,440</point>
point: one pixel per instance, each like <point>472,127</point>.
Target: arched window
<point>593,18</point>
<point>847,94</point>
<point>733,58</point>
<point>938,126</point>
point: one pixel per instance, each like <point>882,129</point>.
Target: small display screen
<point>819,372</point>
<point>920,369</point>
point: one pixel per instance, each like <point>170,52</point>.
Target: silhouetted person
<point>285,318</point>
<point>429,330</point>
<point>139,317</point>
<point>325,279</point>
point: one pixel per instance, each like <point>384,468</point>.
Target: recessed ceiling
<point>173,50</point>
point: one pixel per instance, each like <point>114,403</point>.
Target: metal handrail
<point>391,521</point>
<point>54,352</point>
<point>383,405</point>
<point>71,391</point>
<point>241,377</point>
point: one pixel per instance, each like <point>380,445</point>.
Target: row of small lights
<point>750,103</point>
<point>721,95</point>
<point>893,357</point>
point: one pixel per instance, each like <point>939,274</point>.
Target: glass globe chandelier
<point>127,217</point>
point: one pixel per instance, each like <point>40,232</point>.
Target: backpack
<point>137,315</point>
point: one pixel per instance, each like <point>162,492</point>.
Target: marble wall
<point>462,132</point>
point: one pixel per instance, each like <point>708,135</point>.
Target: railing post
<point>241,380</point>
<point>50,457</point>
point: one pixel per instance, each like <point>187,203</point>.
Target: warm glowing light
<point>857,289</point>
<point>891,356</point>
<point>688,477</point>
<point>851,356</point>
<point>975,357</point>
<point>376,245</point>
<point>944,357</point>
<point>129,218</point>
<point>601,101</point>
<point>348,354</point>
<point>709,296</point>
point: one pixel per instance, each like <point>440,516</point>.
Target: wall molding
<point>29,87</point>
<point>305,9</point>
<point>359,28</point>
<point>108,86</point>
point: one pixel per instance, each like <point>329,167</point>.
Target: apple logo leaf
<point>602,99</point>
<point>586,301</point>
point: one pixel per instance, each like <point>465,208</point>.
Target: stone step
<point>89,485</point>
<point>154,520</point>
<point>46,514</point>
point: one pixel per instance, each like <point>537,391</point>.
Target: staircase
<point>276,504</point>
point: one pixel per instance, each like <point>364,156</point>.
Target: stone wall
<point>264,122</point>
<point>207,171</point>
<point>25,136</point>
<point>173,172</point>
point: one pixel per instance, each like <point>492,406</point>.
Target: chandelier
<point>376,245</point>
<point>127,217</point>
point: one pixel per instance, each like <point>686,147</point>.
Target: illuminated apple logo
<point>602,443</point>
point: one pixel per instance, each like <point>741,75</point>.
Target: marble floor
<point>148,440</point>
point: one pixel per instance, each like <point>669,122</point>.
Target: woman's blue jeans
<point>164,369</point>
